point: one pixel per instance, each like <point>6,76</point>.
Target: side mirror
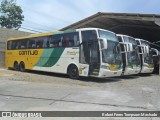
<point>127,47</point>
<point>130,47</point>
<point>154,51</point>
<point>122,44</point>
<point>104,43</point>
<point>146,49</point>
<point>142,49</point>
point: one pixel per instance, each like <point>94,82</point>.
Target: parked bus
<point>130,56</point>
<point>156,56</point>
<point>81,52</point>
<point>146,54</point>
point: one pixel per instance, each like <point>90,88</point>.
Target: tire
<point>16,66</point>
<point>22,67</point>
<point>73,72</point>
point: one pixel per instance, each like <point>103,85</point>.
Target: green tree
<point>10,14</point>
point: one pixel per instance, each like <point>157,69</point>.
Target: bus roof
<point>42,34</point>
<point>93,28</point>
<point>125,36</point>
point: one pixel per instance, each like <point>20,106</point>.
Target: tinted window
<point>55,41</point>
<point>121,46</point>
<point>70,40</point>
<point>23,44</point>
<point>15,45</point>
<point>9,45</point>
<point>39,42</point>
<point>120,39</point>
<point>32,43</point>
<point>90,35</point>
<point>45,42</point>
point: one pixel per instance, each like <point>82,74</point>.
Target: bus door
<point>89,53</point>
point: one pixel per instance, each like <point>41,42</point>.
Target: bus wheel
<point>16,66</point>
<point>73,72</point>
<point>22,67</point>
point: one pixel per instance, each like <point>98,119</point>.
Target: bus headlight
<point>105,67</point>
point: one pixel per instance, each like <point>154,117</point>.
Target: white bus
<point>130,56</point>
<point>146,54</point>
<point>81,52</point>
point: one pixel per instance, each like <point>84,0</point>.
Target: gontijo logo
<point>28,52</point>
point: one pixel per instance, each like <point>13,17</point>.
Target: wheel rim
<point>73,72</point>
<point>22,68</point>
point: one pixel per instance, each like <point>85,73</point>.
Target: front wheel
<point>73,72</point>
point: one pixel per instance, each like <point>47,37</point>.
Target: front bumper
<point>146,70</point>
<point>108,73</point>
<point>132,71</point>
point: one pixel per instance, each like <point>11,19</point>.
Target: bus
<point>130,58</point>
<point>156,56</point>
<point>82,52</point>
<point>146,55</point>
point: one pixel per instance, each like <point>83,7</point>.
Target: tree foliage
<point>10,14</point>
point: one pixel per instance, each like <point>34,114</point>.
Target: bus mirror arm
<point>156,51</point>
<point>142,49</point>
<point>80,44</point>
<point>141,53</point>
<point>125,45</point>
<point>104,43</point>
<point>130,46</point>
<point>147,49</point>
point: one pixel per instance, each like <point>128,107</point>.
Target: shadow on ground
<point>91,79</point>
<point>85,79</point>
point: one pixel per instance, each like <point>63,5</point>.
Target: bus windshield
<point>132,57</point>
<point>111,55</point>
<point>147,56</point>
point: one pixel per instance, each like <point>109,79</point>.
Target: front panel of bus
<point>111,58</point>
<point>95,61</point>
<point>131,59</point>
<point>147,57</point>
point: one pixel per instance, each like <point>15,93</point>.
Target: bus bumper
<point>108,73</point>
<point>131,71</point>
<point>147,70</point>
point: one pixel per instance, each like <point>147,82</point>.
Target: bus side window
<point>15,45</point>
<point>51,42</point>
<point>89,35</point>
<point>39,42</point>
<point>76,39</point>
<point>23,44</point>
<point>122,47</point>
<point>60,41</point>
<point>9,45</point>
<point>45,42</point>
<point>32,44</point>
<point>66,41</point>
<point>71,39</point>
<point>55,41</point>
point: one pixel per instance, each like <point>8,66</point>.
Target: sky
<point>49,15</point>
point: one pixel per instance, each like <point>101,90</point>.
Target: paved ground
<point>39,91</point>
